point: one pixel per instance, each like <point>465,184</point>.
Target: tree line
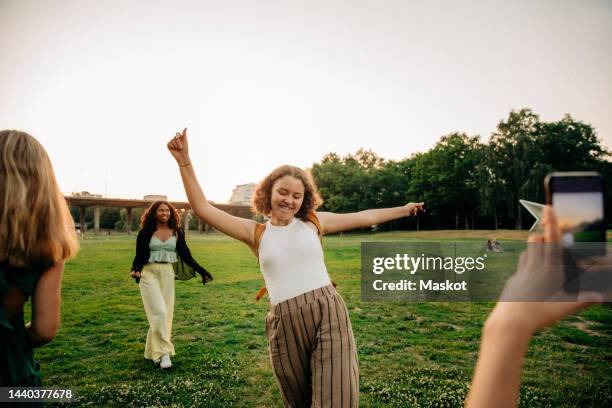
<point>466,183</point>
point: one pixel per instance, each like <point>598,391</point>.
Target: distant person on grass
<point>310,339</point>
<point>159,242</point>
<point>37,236</point>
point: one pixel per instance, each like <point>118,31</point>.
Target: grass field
<point>411,354</point>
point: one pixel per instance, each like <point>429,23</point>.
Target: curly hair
<point>263,194</point>
<point>148,221</point>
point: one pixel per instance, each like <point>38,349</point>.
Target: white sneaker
<point>165,362</point>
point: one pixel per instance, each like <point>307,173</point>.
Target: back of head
<point>36,227</point>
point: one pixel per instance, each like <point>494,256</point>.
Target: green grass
<point>411,354</point>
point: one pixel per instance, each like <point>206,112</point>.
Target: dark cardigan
<point>143,252</point>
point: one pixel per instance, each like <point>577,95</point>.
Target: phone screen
<point>579,205</point>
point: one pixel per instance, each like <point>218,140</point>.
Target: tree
<point>136,214</point>
<point>524,150</point>
<point>446,178</point>
<point>347,184</point>
<point>464,181</point>
<point>512,158</point>
<point>109,217</point>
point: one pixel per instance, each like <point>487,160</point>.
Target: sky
<point>590,204</point>
<point>103,85</point>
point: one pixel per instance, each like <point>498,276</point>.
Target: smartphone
<point>578,200</point>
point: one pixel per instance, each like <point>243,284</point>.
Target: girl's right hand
<point>540,278</point>
<point>179,148</point>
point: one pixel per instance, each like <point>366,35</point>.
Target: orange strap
<point>260,293</point>
<point>259,230</point>
<point>312,217</point>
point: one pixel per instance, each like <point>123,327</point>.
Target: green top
<point>17,367</point>
<point>162,251</point>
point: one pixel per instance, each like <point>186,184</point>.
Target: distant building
<point>155,197</point>
<point>85,194</point>
<point>242,194</point>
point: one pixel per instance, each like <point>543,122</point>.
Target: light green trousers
<point>157,291</point>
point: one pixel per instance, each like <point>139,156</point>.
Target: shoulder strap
<point>312,217</point>
<point>260,293</point>
<point>259,230</point>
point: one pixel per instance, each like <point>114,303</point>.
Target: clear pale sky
<point>104,84</point>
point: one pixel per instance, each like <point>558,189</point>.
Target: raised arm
<point>510,326</point>
<point>497,378</point>
<point>332,222</point>
<point>236,227</point>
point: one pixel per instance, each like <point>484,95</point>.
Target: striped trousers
<point>312,350</point>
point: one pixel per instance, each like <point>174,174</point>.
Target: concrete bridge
<point>83,202</point>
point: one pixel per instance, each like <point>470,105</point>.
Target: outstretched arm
<point>508,330</point>
<point>332,222</point>
<point>236,227</point>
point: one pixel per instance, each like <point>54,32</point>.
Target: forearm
<point>368,218</point>
<point>497,377</point>
<point>138,262</point>
<point>35,339</point>
<point>141,246</point>
<point>46,306</point>
<point>239,228</point>
<point>194,192</point>
<point>332,222</point>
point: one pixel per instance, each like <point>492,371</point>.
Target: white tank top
<point>291,260</point>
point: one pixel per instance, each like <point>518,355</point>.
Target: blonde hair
<point>36,227</point>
